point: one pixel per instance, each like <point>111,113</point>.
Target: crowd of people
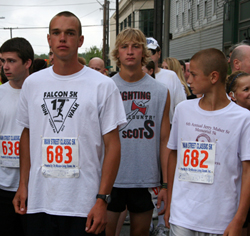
<point>81,150</point>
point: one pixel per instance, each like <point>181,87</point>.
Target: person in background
<point>240,59</point>
<point>82,60</point>
<point>173,64</point>
<point>149,68</point>
<point>97,64</point>
<point>238,88</point>
<point>17,56</point>
<point>38,64</point>
<point>51,57</point>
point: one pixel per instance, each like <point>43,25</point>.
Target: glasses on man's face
<point>153,51</point>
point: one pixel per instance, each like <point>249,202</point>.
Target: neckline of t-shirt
<point>132,84</point>
<point>9,87</point>
<point>212,113</point>
<point>68,77</point>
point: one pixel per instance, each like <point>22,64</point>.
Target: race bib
<point>9,156</point>
<point>197,162</point>
<point>60,157</point>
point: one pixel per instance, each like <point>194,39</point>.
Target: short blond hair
<point>134,35</point>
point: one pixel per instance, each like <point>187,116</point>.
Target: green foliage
<point>42,56</point>
<point>89,53</point>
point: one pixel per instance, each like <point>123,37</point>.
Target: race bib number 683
<point>60,157</point>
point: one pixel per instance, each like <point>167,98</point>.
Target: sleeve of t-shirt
<point>112,113</point>
<point>244,150</point>
<point>179,92</point>
<point>22,109</point>
<point>173,138</point>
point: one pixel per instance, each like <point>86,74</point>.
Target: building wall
<point>127,7</point>
<point>195,25</point>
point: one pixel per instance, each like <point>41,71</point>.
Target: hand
<point>233,229</point>
<point>162,197</point>
<point>97,218</point>
<point>166,217</point>
<point>19,200</point>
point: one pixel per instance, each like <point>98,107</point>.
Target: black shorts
<point>137,200</point>
<point>11,223</point>
<point>42,224</point>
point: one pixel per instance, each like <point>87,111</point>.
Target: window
<point>146,22</point>
<point>214,7</point>
<point>129,20</point>
<point>177,14</point>
<point>125,23</point>
<point>182,13</point>
<point>189,13</point>
<point>121,26</point>
<point>198,10</point>
<point>205,9</point>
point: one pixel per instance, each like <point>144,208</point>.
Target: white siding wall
<point>199,34</point>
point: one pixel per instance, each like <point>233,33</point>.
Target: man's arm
<point>172,160</point>
<point>164,153</point>
<point>97,217</point>
<point>235,226</point>
<point>24,156</point>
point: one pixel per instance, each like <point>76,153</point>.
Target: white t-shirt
<point>67,117</point>
<point>10,133</point>
<point>208,207</point>
<point>177,94</point>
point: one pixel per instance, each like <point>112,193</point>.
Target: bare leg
<point>140,223</point>
<point>120,222</point>
<point>112,223</point>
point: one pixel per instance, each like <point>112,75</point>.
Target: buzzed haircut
<point>210,60</point>
<point>67,14</point>
<point>21,46</point>
<point>134,35</point>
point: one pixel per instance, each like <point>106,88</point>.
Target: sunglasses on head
<point>153,51</point>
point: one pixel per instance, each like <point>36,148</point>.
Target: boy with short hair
<point>70,115</point>
<point>208,168</point>
<point>143,139</point>
<point>17,56</point>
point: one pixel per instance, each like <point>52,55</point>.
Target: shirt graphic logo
<point>135,108</point>
<point>59,106</point>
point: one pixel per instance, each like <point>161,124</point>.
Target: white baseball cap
<point>152,43</point>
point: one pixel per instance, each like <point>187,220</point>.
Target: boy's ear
<point>214,77</point>
<point>28,63</point>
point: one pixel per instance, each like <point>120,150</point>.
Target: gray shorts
<point>176,230</point>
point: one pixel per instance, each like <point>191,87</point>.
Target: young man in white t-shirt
<point>209,165</point>
<point>17,56</point>
<point>167,77</point>
<point>70,114</point>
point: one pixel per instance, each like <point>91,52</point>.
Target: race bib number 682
<point>197,162</point>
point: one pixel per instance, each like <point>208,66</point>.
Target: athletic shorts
<point>176,230</point>
<point>11,223</point>
<point>42,224</point>
<point>137,200</point>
